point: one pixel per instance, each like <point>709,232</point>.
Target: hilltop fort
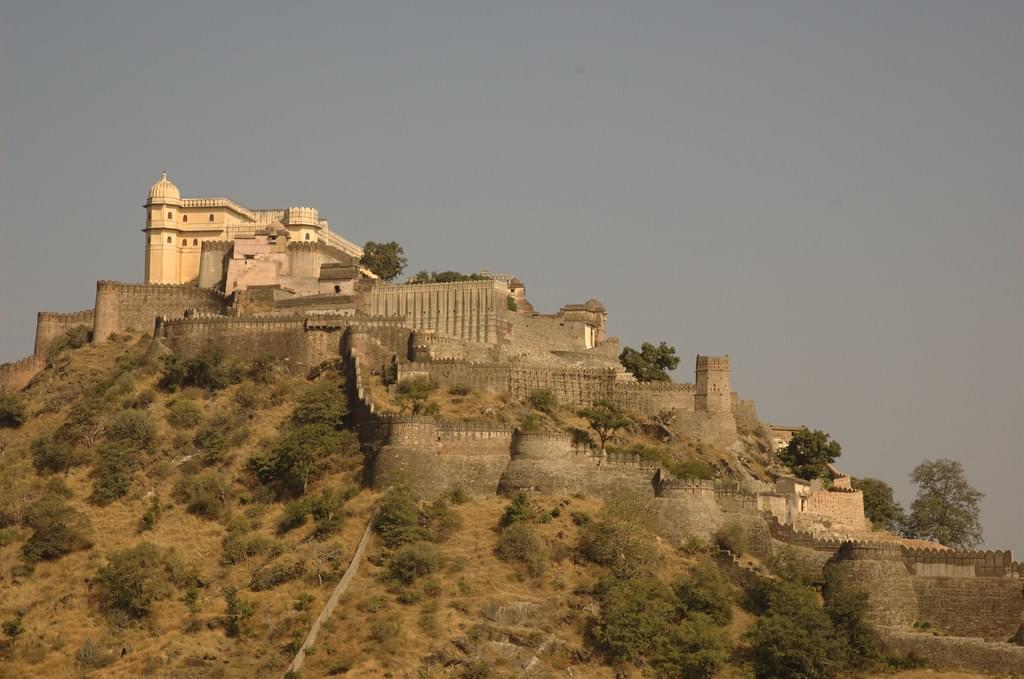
<point>280,282</point>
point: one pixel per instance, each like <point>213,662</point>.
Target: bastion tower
<point>712,390</point>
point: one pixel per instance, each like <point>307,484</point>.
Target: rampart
<point>134,306</point>
<point>213,263</point>
<point>289,338</point>
<point>50,325</point>
<point>957,653</point>
<point>16,375</point>
<point>471,310</point>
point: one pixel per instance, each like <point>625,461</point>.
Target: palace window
<point>211,218</point>
<point>195,241</point>
<point>168,240</point>
<point>307,236</point>
<point>184,218</point>
<point>170,215</point>
<point>184,242</point>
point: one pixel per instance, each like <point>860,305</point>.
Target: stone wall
<point>51,325</point>
<point>285,337</point>
<point>958,653</point>
<point>835,508</point>
<point>471,310</point>
<point>213,263</point>
<point>987,607</point>
<point>16,375</point>
<point>135,306</point>
<point>430,458</point>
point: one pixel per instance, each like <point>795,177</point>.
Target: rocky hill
<point>163,516</point>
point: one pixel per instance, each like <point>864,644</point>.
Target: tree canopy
<point>947,506</point>
<point>879,505</point>
<point>651,363</point>
<point>387,260</point>
<point>605,418</point>
<point>809,453</point>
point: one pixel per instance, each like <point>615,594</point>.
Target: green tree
<point>13,628</point>
<point>398,519</point>
<point>794,637</point>
<point>12,410</point>
<point>706,590</point>
<point>947,507</point>
<point>651,363</point>
<point>51,455</point>
<point>636,617</point>
<point>605,419</point>
<point>413,395</point>
<point>236,612</point>
<point>302,455</point>
<point>386,260</point>
<point>809,453</point>
<point>880,506</point>
<point>133,580</point>
<point>57,529</point>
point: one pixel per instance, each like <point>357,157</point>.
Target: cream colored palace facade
<point>177,227</point>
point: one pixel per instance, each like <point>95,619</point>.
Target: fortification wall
<point>987,607</point>
<point>16,375</point>
<point>958,653</point>
<point>430,459</point>
<point>835,508</point>
<point>213,263</point>
<point>248,337</point>
<point>50,325</point>
<point>546,333</point>
<point>654,397</point>
<point>125,306</point>
<point>470,310</point>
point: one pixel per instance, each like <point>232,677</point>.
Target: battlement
<point>16,375</point>
<point>301,216</point>
<point>157,288</point>
<point>713,362</point>
<point>217,245</point>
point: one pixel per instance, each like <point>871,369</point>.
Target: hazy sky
<point>831,193</point>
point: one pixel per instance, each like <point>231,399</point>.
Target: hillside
<point>171,518</point>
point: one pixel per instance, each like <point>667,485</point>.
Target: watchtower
<point>711,377</point>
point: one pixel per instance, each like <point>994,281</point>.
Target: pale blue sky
<point>829,192</point>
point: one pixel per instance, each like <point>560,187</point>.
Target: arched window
<point>168,240</point>
<point>170,215</point>
<point>211,218</point>
<point>184,218</point>
<point>307,236</point>
<point>195,241</point>
<point>184,242</point>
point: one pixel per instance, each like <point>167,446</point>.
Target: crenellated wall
<point>135,306</point>
<point>16,375</point>
<point>51,325</point>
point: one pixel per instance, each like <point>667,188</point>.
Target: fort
<point>279,282</point>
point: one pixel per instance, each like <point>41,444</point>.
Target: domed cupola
<point>164,192</point>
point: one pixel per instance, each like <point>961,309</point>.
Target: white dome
<point>164,191</point>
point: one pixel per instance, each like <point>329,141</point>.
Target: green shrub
<point>705,590</point>
<point>209,369</point>
<point>397,520</point>
<point>413,394</point>
<point>733,537</point>
<point>414,560</point>
<point>276,574</point>
<point>441,522</point>
<point>520,509</point>
<point>239,544</point>
<point>385,628</point>
<point>690,469</point>
<point>13,413</point>
<point>460,390</point>
<point>794,637</point>
<point>92,656</point>
<point>846,606</point>
<point>457,495</point>
<point>520,544</point>
<point>218,435</point>
<point>141,400</point>
<point>184,413</point>
<point>132,429</point>
<point>112,474</point>
<point>154,510</point>
<point>543,400</point>
<point>695,648</point>
<point>636,614</point>
<point>323,403</point>
<point>132,581</point>
<point>205,495</point>
<point>248,396</point>
<point>616,546</point>
<point>303,454</point>
<point>57,529</point>
<point>236,612</point>
<point>73,338</point>
<point>294,516</point>
<point>261,369</point>
<point>55,456</point>
<point>82,423</point>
